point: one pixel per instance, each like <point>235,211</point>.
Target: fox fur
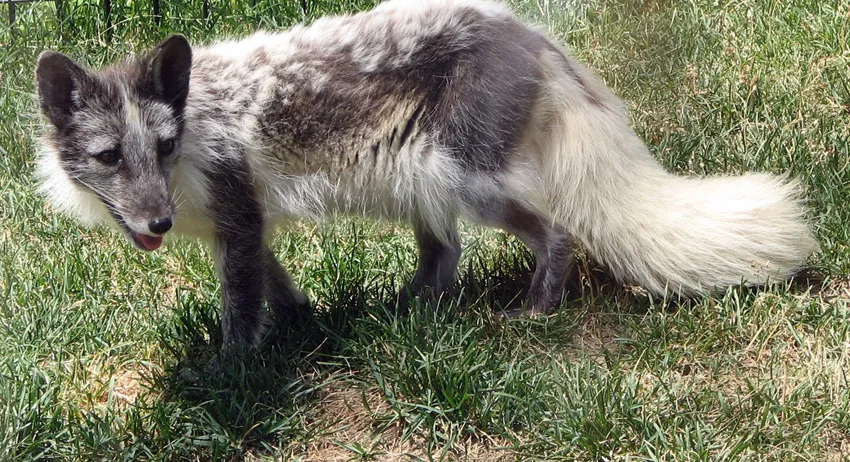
<point>424,111</point>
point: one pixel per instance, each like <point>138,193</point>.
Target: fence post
<point>107,12</point>
<point>157,12</point>
<point>11,13</point>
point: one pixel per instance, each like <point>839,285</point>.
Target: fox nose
<point>159,225</point>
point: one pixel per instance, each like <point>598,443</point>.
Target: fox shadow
<point>254,396</point>
<point>264,394</point>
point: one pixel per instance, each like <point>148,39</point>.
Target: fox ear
<point>170,68</point>
<point>59,77</point>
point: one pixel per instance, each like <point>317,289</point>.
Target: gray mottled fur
<point>422,111</point>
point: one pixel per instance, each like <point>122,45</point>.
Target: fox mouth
<point>140,240</point>
<point>145,242</point>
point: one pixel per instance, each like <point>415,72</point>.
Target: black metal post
<point>107,12</point>
<point>157,12</point>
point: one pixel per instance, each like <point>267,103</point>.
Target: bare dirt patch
<point>99,383</point>
<point>362,420</point>
<point>836,288</point>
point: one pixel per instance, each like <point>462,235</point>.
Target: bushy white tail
<point>662,231</point>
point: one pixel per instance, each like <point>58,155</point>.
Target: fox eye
<point>109,157</point>
<point>165,147</point>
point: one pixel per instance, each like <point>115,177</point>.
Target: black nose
<point>159,225</point>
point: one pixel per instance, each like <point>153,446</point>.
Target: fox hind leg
<point>552,248</point>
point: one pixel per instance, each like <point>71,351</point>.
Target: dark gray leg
<point>552,248</point>
<point>438,260</point>
<point>239,248</point>
<point>289,305</point>
<point>242,285</point>
<point>553,266</point>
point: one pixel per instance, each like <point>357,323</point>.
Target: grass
<point>98,342</point>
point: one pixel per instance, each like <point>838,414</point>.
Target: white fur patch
<point>63,193</point>
<point>419,182</point>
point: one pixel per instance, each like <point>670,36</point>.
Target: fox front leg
<point>240,251</point>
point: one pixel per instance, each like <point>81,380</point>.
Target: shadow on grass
<point>270,397</point>
<point>223,406</point>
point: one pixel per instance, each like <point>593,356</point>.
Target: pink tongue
<point>150,242</point>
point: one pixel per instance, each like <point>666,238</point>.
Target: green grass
<point>98,341</point>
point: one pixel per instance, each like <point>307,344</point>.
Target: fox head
<point>112,137</point>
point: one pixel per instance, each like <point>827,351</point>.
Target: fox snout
<point>147,213</point>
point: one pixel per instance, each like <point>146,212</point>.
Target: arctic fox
<point>424,111</point>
